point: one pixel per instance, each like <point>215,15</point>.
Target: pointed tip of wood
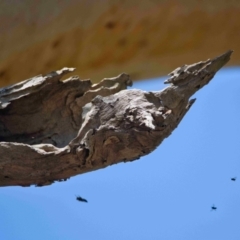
<point>225,57</point>
<point>218,62</point>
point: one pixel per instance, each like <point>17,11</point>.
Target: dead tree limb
<point>51,130</point>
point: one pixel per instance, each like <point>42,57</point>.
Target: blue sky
<point>167,194</point>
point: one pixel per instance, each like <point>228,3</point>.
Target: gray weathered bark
<point>51,130</point>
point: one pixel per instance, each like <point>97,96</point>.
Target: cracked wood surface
<point>51,130</point>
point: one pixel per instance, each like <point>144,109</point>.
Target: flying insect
<point>213,208</point>
<point>234,178</point>
<point>80,199</point>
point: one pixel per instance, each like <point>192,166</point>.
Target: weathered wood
<point>51,130</point>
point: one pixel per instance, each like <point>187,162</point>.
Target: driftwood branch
<point>51,130</point>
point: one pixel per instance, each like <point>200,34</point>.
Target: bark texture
<point>51,130</point>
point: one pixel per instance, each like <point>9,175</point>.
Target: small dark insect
<point>234,178</point>
<point>214,208</point>
<point>80,199</point>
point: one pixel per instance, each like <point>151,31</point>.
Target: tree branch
<point>51,130</point>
